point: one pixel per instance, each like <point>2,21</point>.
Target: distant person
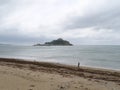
<point>78,64</point>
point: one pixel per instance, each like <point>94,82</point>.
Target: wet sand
<point>16,74</point>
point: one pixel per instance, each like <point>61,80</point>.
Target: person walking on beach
<point>78,64</point>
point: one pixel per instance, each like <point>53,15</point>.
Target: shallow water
<point>103,56</point>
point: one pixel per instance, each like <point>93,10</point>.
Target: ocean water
<point>101,56</point>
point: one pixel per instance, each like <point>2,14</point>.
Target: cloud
<point>108,20</point>
<point>82,21</point>
<point>99,15</point>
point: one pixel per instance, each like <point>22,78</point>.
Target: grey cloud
<point>21,39</point>
<point>109,20</point>
<point>13,35</point>
<point>4,1</point>
<point>6,8</point>
<point>12,31</point>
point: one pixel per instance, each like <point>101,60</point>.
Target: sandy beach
<point>16,74</point>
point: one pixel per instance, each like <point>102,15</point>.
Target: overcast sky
<point>79,21</point>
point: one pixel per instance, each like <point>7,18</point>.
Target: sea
<point>99,56</point>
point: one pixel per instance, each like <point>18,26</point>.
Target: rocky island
<point>58,42</point>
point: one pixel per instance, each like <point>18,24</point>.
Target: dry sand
<point>23,75</point>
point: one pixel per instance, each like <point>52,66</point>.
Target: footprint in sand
<point>32,86</point>
<point>30,89</point>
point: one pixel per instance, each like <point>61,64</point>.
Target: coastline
<point>59,73</point>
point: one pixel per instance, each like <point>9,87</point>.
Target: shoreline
<point>95,73</point>
<point>32,75</point>
<point>66,64</point>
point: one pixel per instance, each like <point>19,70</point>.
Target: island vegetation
<point>58,42</point>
